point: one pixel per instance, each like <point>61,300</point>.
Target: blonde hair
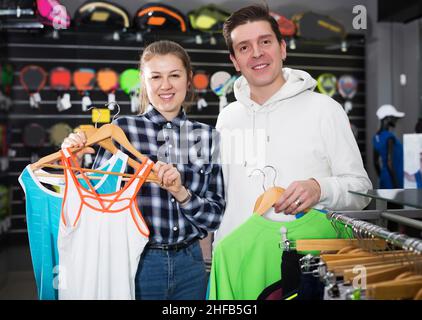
<point>161,48</point>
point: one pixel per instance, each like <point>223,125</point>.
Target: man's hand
<point>299,196</point>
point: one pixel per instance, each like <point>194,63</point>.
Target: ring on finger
<point>297,202</point>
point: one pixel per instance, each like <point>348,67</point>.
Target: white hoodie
<point>302,134</point>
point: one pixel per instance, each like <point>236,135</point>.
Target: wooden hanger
<point>418,296</point>
<point>267,199</point>
<point>105,132</point>
<point>373,259</point>
<point>342,256</point>
<point>346,249</point>
<point>107,144</point>
<point>396,289</point>
<point>54,166</point>
<point>337,244</point>
<point>379,273</point>
<point>339,267</point>
<point>349,274</point>
<point>404,275</point>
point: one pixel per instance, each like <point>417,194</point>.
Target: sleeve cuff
<point>192,206</point>
<point>325,185</point>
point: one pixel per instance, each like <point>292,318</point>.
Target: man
<point>279,121</point>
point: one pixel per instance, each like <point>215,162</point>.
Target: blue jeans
<point>171,275</point>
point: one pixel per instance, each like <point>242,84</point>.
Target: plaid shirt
<point>193,147</point>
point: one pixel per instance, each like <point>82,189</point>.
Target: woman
<point>190,201</point>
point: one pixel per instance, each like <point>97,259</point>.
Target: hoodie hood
<point>297,81</point>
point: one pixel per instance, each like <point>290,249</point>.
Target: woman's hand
<point>171,180</point>
<point>77,140</point>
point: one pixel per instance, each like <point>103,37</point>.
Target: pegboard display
<point>5,190</point>
<point>74,50</point>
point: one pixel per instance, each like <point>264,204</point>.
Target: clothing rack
<point>362,227</point>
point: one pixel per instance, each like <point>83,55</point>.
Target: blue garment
<point>43,208</point>
<point>418,178</point>
<point>380,143</point>
<point>171,274</point>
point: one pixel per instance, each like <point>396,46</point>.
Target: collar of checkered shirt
<point>156,117</point>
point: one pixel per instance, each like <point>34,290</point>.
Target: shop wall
<point>392,49</point>
<point>341,9</point>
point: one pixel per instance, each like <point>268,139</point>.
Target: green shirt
<point>248,260</point>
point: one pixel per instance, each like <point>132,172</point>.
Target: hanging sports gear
<point>6,82</point>
<point>208,18</point>
<point>53,13</point>
<point>327,84</point>
<point>61,81</point>
<point>108,82</point>
<point>130,81</point>
<point>33,79</point>
<point>221,84</point>
<point>6,78</point>
<point>347,87</point>
<point>34,136</point>
<point>286,26</point>
<point>4,149</point>
<point>18,14</point>
<point>314,26</point>
<point>4,208</point>
<point>101,15</point>
<point>200,83</point>
<point>59,132</point>
<point>84,81</point>
<point>158,16</point>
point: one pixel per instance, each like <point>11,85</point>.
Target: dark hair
<point>247,14</point>
<point>162,48</point>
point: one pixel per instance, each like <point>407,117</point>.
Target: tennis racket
<point>34,136</point>
<point>33,78</point>
<point>200,82</point>
<point>84,81</point>
<point>108,82</point>
<point>130,81</point>
<point>327,84</point>
<point>60,81</point>
<point>347,88</point>
<point>221,84</point>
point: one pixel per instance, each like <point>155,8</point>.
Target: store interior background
<point>392,49</point>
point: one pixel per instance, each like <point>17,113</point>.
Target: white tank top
<point>101,238</point>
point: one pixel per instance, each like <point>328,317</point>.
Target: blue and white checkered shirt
<point>193,147</point>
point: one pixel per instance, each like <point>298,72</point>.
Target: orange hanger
<point>105,132</point>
